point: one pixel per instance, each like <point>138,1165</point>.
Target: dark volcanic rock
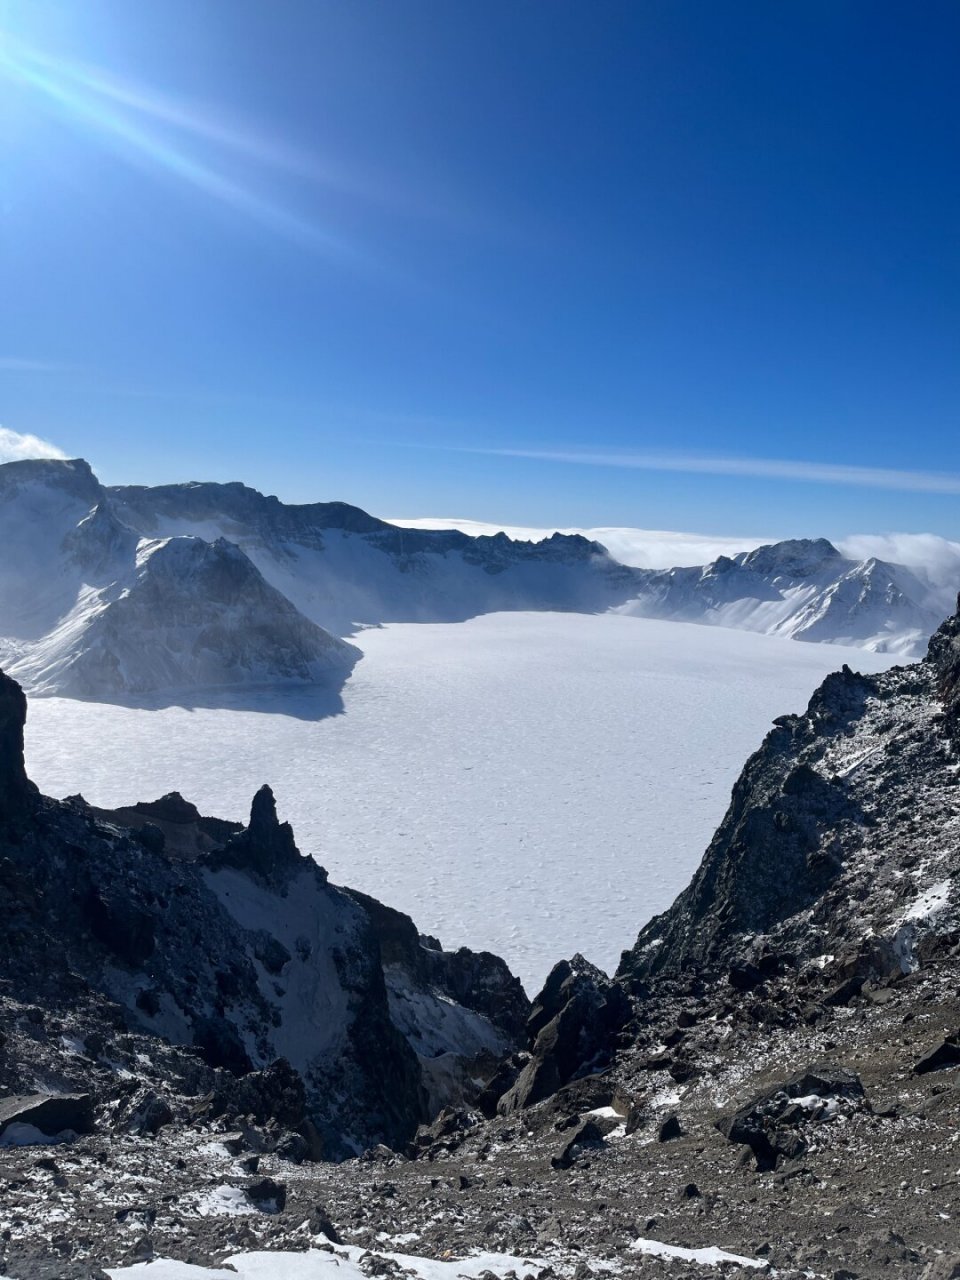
<point>51,1113</point>
<point>572,1027</point>
<point>944,654</point>
<point>945,1054</point>
<point>768,1123</point>
<point>264,983</point>
<point>265,847</point>
<point>18,796</point>
<point>477,980</point>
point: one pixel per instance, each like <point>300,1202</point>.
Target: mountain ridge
<point>91,580</point>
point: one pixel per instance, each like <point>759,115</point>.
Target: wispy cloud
<point>761,468</point>
<point>14,447</point>
<point>170,136</point>
<point>19,364</point>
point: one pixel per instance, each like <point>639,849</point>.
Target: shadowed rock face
<point>827,826</point>
<point>17,794</point>
<point>773,854</point>
<point>944,654</point>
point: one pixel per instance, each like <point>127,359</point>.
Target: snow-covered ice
<point>528,783</point>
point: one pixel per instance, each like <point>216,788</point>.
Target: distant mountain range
<point>137,590</point>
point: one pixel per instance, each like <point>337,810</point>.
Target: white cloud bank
<point>14,447</point>
<point>644,548</point>
<point>936,560</point>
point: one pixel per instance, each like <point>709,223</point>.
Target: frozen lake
<point>532,784</point>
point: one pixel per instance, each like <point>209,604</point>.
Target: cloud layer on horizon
<point>932,557</point>
<point>644,548</point>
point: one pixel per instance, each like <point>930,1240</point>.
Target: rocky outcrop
<point>257,975</point>
<point>777,850</point>
<point>572,1031</point>
<point>265,847</point>
<point>944,655</point>
<point>772,1123</point>
<point>477,980</point>
<point>17,794</point>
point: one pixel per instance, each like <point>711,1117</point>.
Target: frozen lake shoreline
<point>532,784</point>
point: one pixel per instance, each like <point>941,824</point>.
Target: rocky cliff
<point>220,957</point>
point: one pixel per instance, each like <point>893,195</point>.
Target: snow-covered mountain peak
<point>72,476</point>
<point>189,614</point>
<point>802,588</point>
<point>795,557</point>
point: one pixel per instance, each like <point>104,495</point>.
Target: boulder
<point>769,1124</point>
<point>588,1136</point>
<point>573,1027</point>
<point>266,1195</point>
<point>943,1055</point>
<point>50,1113</point>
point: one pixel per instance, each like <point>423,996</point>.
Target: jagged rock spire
<point>266,846</point>
<point>17,793</point>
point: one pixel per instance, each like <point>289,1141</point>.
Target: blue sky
<point>675,264</point>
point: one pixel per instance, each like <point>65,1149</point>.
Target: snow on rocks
<point>709,1256</point>
<point>341,1262</point>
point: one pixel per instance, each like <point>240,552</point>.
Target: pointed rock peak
<point>17,793</point>
<point>795,556</point>
<point>266,847</point>
<point>263,812</point>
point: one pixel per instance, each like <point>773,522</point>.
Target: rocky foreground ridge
<point>769,1083</point>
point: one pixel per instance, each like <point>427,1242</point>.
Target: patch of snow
<point>225,1199</point>
<point>930,902</point>
<point>708,1257</point>
<point>827,1107</point>
<point>19,1134</point>
<point>316,1264</point>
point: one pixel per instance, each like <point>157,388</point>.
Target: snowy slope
<point>190,615</point>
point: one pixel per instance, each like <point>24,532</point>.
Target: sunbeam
<point>108,110</point>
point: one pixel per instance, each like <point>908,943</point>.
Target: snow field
<point>532,784</point>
